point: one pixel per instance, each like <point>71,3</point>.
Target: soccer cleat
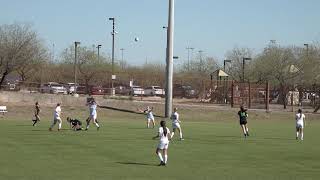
<point>86,129</point>
<point>248,134</point>
<point>161,163</point>
<point>181,139</point>
<point>98,128</point>
<point>164,164</point>
<point>296,138</point>
<point>50,129</point>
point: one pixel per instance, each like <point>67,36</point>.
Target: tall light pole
<point>224,64</point>
<point>76,43</point>
<point>243,65</point>
<point>200,55</point>
<point>189,48</point>
<point>122,49</point>
<point>169,67</point>
<point>98,47</point>
<point>307,46</point>
<point>113,34</point>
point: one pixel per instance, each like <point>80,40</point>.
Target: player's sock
<point>297,135</point>
<point>165,159</point>
<point>160,156</point>
<point>59,126</point>
<point>180,135</point>
<point>172,135</point>
<point>301,136</point>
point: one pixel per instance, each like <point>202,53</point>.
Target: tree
<point>278,65</point>
<point>19,45</point>
<point>236,56</point>
<point>89,68</point>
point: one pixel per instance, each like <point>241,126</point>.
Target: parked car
<point>71,87</point>
<point>53,88</point>
<point>136,90</point>
<point>82,90</point>
<point>122,90</point>
<point>184,91</point>
<point>154,91</point>
<point>97,90</point>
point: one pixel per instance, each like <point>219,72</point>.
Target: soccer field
<point>123,149</point>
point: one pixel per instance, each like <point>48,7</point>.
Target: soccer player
<point>36,114</point>
<point>176,123</point>
<point>150,117</point>
<point>93,114</point>
<point>243,115</point>
<point>162,149</point>
<point>300,123</point>
<point>75,123</point>
<point>57,118</point>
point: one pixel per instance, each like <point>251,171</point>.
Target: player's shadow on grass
<point>127,111</point>
<point>136,163</point>
<point>23,125</point>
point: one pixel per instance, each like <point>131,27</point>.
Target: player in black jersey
<point>243,115</point>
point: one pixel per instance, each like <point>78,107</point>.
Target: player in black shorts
<point>243,115</point>
<point>75,124</point>
<point>36,114</point>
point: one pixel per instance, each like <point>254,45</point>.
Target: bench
<point>3,109</point>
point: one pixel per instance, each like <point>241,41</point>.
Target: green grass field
<point>123,149</point>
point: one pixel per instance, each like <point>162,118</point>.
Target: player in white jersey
<point>162,149</point>
<point>176,123</point>
<point>57,118</point>
<point>92,114</point>
<point>300,123</point>
<point>150,116</point>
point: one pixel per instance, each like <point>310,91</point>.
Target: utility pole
<point>307,46</point>
<point>169,67</point>
<point>98,47</point>
<point>200,55</point>
<point>75,64</point>
<point>113,34</point>
<point>122,49</point>
<point>189,48</point>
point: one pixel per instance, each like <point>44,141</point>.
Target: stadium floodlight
<point>169,58</point>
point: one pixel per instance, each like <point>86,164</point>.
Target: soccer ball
<point>136,39</point>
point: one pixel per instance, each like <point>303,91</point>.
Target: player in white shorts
<point>162,149</point>
<point>92,114</point>
<point>300,123</point>
<point>150,116</point>
<point>176,123</point>
<point>57,118</point>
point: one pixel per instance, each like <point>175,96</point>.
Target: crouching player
<point>75,124</point>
